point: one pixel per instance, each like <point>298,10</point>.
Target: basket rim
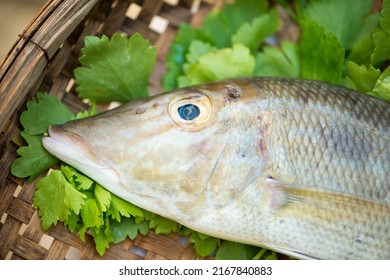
<point>26,62</point>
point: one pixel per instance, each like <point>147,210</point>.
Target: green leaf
<point>382,37</point>
<point>177,53</point>
<point>102,237</point>
<point>364,46</point>
<point>78,180</point>
<point>321,55</point>
<point>116,69</point>
<point>127,228</point>
<point>87,113</point>
<point>344,19</point>
<point>90,214</point>
<point>55,199</point>
<point>382,86</point>
<point>235,251</point>
<point>282,62</point>
<point>34,158</point>
<point>163,225</point>
<point>204,245</point>
<point>197,49</point>
<point>74,199</point>
<point>72,221</point>
<point>222,64</point>
<point>265,254</point>
<point>253,34</point>
<point>45,111</point>
<point>221,25</point>
<point>120,207</point>
<point>103,197</point>
<point>363,78</point>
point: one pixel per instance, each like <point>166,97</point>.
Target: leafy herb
<point>382,86</point>
<point>221,64</point>
<point>364,78</point>
<point>204,245</point>
<point>382,37</point>
<point>344,19</point>
<point>46,110</point>
<point>280,61</point>
<point>116,69</point>
<point>163,225</point>
<point>253,34</point>
<point>321,55</point>
<point>223,24</point>
<point>55,198</point>
<point>68,196</point>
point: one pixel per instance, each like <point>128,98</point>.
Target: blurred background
<point>15,15</point>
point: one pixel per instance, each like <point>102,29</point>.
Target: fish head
<point>175,154</point>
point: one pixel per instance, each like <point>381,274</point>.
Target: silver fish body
<point>298,166</point>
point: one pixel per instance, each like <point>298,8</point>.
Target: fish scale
<point>341,147</point>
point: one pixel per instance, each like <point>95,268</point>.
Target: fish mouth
<point>72,149</point>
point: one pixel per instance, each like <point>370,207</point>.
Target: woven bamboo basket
<point>43,59</point>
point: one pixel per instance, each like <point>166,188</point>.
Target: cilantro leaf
<point>321,55</point>
<point>177,53</point>
<point>34,158</point>
<point>116,69</point>
<point>102,241</point>
<point>382,86</point>
<point>364,78</point>
<point>363,47</point>
<point>282,62</point>
<point>265,254</point>
<point>221,64</point>
<point>163,225</point>
<point>90,216</point>
<point>127,228</point>
<point>45,111</point>
<point>73,199</point>
<point>103,198</point>
<point>102,236</point>
<point>382,37</point>
<point>78,180</point>
<point>120,207</point>
<point>346,20</point>
<point>235,251</point>
<point>72,221</point>
<point>204,245</point>
<point>254,33</point>
<point>221,25</point>
<point>55,200</point>
<point>195,51</point>
<point>87,113</point>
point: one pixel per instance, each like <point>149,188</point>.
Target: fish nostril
<point>140,110</point>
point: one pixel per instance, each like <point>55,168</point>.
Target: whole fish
<point>298,166</point>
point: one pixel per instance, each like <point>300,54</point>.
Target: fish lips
<point>71,148</point>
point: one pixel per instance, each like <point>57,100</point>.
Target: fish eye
<point>188,112</point>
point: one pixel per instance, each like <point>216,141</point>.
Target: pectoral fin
<point>294,199</point>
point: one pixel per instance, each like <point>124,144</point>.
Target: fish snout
<point>72,149</point>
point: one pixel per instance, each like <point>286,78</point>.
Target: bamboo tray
<point>43,59</point>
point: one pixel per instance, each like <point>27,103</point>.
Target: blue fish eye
<point>188,112</point>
